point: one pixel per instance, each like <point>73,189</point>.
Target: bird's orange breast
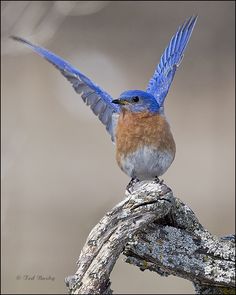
<point>135,130</point>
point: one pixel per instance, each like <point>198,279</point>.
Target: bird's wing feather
<point>99,101</point>
<point>164,73</point>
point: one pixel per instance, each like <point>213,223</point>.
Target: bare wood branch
<point>156,231</point>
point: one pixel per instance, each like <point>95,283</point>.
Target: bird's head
<point>137,101</point>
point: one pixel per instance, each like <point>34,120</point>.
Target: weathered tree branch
<point>155,231</point>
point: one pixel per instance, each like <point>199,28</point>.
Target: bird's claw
<point>157,180</point>
<point>132,182</point>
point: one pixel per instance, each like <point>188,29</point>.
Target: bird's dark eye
<point>135,99</point>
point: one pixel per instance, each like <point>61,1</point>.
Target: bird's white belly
<point>146,163</point>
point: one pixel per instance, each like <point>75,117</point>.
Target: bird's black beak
<point>120,101</point>
<point>116,101</point>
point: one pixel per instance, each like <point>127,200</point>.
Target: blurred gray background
<point>59,174</point>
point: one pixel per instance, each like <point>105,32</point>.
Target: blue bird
<point>145,147</point>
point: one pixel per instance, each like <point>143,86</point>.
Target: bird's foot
<point>131,184</point>
<point>157,180</point>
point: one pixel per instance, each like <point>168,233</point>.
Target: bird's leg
<point>131,183</point>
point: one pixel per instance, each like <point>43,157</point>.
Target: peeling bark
<point>155,231</point>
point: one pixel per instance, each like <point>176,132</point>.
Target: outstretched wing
<point>164,73</point>
<point>99,101</point>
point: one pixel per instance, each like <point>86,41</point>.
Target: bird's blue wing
<point>99,101</point>
<point>164,73</point>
